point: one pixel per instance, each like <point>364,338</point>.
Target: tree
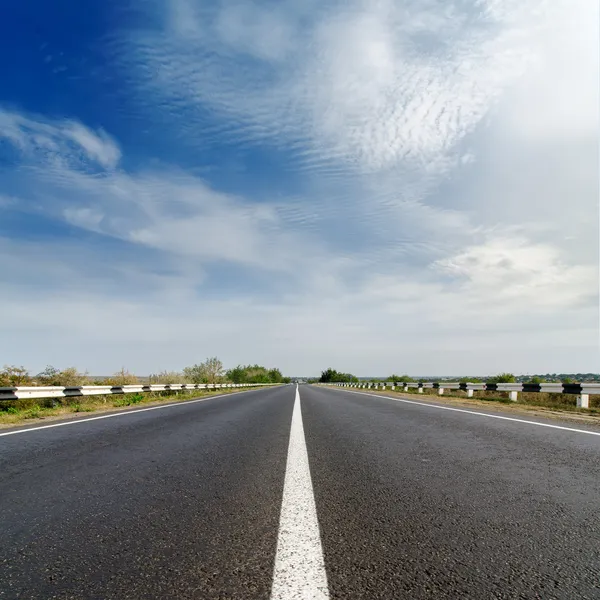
<point>332,376</point>
<point>254,374</point>
<point>536,379</point>
<point>329,376</point>
<point>275,376</point>
<point>236,375</point>
<point>210,371</point>
<point>13,376</point>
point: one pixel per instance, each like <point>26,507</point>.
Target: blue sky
<point>406,186</point>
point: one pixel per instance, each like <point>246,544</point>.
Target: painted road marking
<point>299,572</point>
<point>122,414</point>
<point>472,412</point>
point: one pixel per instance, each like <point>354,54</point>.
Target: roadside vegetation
<point>24,410</point>
<point>331,375</point>
<point>210,371</point>
<point>532,399</point>
<point>539,399</point>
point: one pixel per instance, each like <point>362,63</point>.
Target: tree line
<point>209,371</point>
<point>331,375</point>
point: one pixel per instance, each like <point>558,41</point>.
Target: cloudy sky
<point>373,185</point>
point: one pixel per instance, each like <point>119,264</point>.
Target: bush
<point>400,379</point>
<point>33,413</point>
<point>122,377</point>
<point>166,377</point>
<point>254,374</point>
<point>210,371</point>
<point>69,377</point>
<point>502,378</point>
<point>13,376</point>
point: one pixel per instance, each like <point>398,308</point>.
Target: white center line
<point>299,572</point>
<point>472,412</point>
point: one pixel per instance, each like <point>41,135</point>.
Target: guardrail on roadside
<point>582,390</point>
<point>16,393</point>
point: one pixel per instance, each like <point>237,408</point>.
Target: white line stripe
<point>299,572</point>
<point>472,412</point>
<point>122,414</point>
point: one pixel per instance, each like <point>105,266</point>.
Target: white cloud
<point>378,328</point>
<point>447,218</point>
<point>559,98</point>
<point>264,33</point>
<point>167,210</point>
<point>513,274</point>
<point>97,145</point>
<point>371,85</point>
<point>87,218</point>
<point>49,140</point>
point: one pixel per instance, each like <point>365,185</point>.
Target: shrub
<point>210,371</point>
<point>69,377</point>
<point>13,376</point>
<point>166,377</point>
<point>122,377</point>
<point>33,412</point>
<point>502,378</point>
<point>400,379</point>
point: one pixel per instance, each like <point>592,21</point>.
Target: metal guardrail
<point>16,393</point>
<point>582,390</point>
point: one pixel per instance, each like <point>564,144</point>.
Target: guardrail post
<point>513,396</point>
<point>420,388</point>
<point>469,393</point>
<point>583,401</point>
<point>440,391</point>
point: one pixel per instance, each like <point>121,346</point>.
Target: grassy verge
<point>30,410</point>
<point>526,400</point>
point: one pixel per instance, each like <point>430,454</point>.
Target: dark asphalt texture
<point>416,502</point>
<point>412,502</point>
<point>176,503</point>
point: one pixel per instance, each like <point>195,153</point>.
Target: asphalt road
<point>412,501</point>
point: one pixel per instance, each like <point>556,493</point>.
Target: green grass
<point>33,413</point>
<point>14,412</point>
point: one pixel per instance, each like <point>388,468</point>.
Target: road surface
<point>322,494</point>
